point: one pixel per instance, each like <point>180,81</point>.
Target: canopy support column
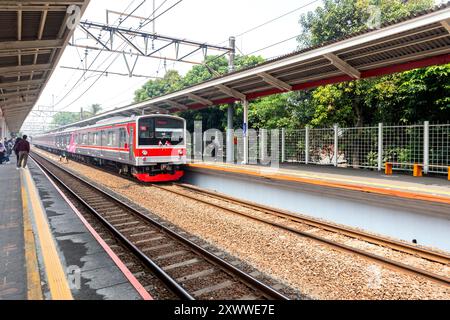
<point>245,130</point>
<point>230,134</point>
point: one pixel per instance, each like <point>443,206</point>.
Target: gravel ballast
<point>315,269</point>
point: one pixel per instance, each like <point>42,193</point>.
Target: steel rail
<point>250,281</point>
<point>161,274</point>
<point>391,264</point>
<point>430,255</point>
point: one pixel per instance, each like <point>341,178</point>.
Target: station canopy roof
<point>33,36</point>
<point>417,41</point>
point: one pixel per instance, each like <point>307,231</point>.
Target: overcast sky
<point>211,21</point>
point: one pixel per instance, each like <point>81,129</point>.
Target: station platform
<point>411,209</point>
<point>48,251</point>
<point>433,189</point>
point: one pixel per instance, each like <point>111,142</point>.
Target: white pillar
<point>262,144</point>
<point>336,149</point>
<point>426,146</point>
<point>245,129</point>
<point>283,145</point>
<point>307,145</point>
<point>380,146</point>
<point>230,135</point>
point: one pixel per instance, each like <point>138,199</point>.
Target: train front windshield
<point>161,131</point>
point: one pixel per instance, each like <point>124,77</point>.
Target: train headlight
<point>180,152</point>
<point>144,152</point>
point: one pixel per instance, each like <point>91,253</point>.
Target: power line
<point>98,78</point>
<point>271,45</point>
<point>266,23</point>
<point>168,9</point>
<point>101,50</point>
<point>93,61</point>
<point>277,18</point>
<point>81,60</point>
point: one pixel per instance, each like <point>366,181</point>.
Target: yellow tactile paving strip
<point>394,188</point>
<point>56,277</point>
<point>34,291</point>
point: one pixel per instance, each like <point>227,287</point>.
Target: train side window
<point>104,138</point>
<point>96,141</point>
<point>114,138</point>
<point>110,138</point>
<point>85,138</point>
<point>122,138</point>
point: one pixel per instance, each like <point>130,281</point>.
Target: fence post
<point>262,143</point>
<point>380,146</point>
<point>426,146</point>
<point>336,149</point>
<point>283,145</point>
<point>306,145</point>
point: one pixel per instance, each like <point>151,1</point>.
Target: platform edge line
<point>56,277</point>
<point>34,288</point>
<point>126,272</point>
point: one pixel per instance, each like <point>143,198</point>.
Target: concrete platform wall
<point>428,224</point>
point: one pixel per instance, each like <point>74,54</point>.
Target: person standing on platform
<point>3,154</point>
<point>23,147</point>
<point>15,150</point>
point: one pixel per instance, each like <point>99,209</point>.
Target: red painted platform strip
<point>127,273</point>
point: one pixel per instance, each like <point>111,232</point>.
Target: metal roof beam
<point>446,25</point>
<point>31,44</point>
<point>157,109</point>
<point>27,68</point>
<point>19,24</point>
<point>17,108</point>
<point>12,53</point>
<point>231,92</point>
<point>342,65</point>
<point>31,8</point>
<point>42,22</point>
<point>51,2</point>
<point>176,105</point>
<point>275,82</point>
<point>200,99</point>
<point>9,85</point>
<point>17,100</point>
<point>17,94</point>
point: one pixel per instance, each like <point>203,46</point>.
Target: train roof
<point>111,121</point>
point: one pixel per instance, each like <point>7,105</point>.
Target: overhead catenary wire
<point>93,61</point>
<point>98,78</point>
<point>264,24</point>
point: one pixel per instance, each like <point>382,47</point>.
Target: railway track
<point>272,217</point>
<point>186,269</point>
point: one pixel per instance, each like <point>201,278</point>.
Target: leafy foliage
<point>408,97</point>
<point>65,117</point>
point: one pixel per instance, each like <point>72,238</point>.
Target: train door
<point>130,145</point>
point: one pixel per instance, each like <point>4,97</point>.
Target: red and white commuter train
<point>152,148</point>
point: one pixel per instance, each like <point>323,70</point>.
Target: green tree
<point>65,117</point>
<point>214,117</point>
<point>155,88</point>
<point>94,109</point>
<point>394,98</point>
<point>340,18</point>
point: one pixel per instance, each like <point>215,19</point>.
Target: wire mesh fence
<point>356,147</point>
<point>403,146</point>
<point>439,148</point>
